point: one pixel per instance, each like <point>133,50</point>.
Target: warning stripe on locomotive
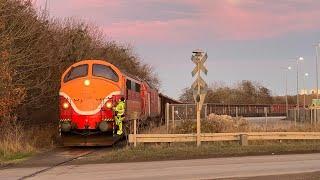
<point>89,112</point>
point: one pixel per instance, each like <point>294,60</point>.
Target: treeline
<point>36,49</point>
<point>244,92</point>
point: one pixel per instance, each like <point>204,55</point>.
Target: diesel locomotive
<point>90,89</point>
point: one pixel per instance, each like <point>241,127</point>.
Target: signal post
<point>199,86</point>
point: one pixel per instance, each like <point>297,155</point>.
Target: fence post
<point>167,116</point>
<point>186,112</point>
<point>266,117</point>
<point>316,116</point>
<point>305,114</point>
<point>243,139</point>
<point>295,117</point>
<point>173,116</point>
<point>237,111</point>
<point>206,112</point>
<point>198,126</point>
<point>135,132</point>
<point>311,116</point>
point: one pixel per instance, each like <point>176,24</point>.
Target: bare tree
<point>35,50</point>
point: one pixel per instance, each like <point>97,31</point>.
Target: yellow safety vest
<point>120,108</point>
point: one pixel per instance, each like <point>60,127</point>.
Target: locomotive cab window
<point>138,87</point>
<point>76,72</point>
<point>128,84</point>
<point>133,85</point>
<point>106,72</point>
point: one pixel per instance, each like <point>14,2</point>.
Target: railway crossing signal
<point>199,87</point>
<point>199,62</point>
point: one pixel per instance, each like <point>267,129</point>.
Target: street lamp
<point>317,71</point>
<point>304,89</point>
<point>286,83</point>
<point>300,59</point>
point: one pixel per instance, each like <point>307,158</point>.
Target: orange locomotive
<point>90,89</point>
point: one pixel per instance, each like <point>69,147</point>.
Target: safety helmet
<point>122,99</point>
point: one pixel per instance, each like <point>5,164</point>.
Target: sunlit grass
<point>17,142</point>
<point>166,151</point>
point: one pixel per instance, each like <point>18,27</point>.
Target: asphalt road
<point>254,166</point>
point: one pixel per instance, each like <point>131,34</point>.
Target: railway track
<point>77,156</point>
<point>47,161</point>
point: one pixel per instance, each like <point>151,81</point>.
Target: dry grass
<point>214,124</point>
<point>17,142</point>
<point>284,126</point>
<point>13,143</point>
<point>227,124</point>
<point>165,151</point>
<point>155,130</point>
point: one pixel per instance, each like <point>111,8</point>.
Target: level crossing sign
<point>199,86</point>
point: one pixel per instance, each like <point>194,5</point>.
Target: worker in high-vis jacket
<point>120,110</point>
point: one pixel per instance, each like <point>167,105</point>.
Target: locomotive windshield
<point>76,72</point>
<point>107,72</point>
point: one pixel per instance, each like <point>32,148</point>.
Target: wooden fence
<point>243,138</point>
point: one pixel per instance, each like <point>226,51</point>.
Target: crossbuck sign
<point>199,86</point>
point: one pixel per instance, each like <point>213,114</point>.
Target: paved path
<point>180,169</point>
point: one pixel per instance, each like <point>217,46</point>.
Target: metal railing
<point>188,111</point>
<point>311,116</point>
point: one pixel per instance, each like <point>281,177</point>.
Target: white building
<point>309,91</point>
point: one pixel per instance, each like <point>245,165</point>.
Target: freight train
<point>90,89</point>
<point>248,110</point>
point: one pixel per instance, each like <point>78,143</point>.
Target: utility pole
<point>287,104</point>
<point>46,8</point>
<point>286,83</point>
<point>46,5</point>
<point>317,69</point>
<point>304,89</point>
<point>298,105</point>
<point>199,86</point>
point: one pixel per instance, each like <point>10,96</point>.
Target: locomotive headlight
<point>65,105</point>
<point>86,82</point>
<point>109,105</point>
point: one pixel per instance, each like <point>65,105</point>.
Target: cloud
<point>224,20</point>
<point>253,20</point>
<point>182,21</point>
<point>82,4</point>
<point>173,30</point>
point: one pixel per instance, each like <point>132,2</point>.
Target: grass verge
<point>14,157</point>
<point>18,143</point>
<point>178,151</point>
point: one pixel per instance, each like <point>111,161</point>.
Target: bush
<point>244,92</point>
<point>18,141</point>
<point>13,142</point>
<point>215,124</point>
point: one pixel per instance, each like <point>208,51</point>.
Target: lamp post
<point>46,11</point>
<point>286,83</point>
<point>300,59</point>
<point>304,89</point>
<point>317,70</point>
<point>287,105</point>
